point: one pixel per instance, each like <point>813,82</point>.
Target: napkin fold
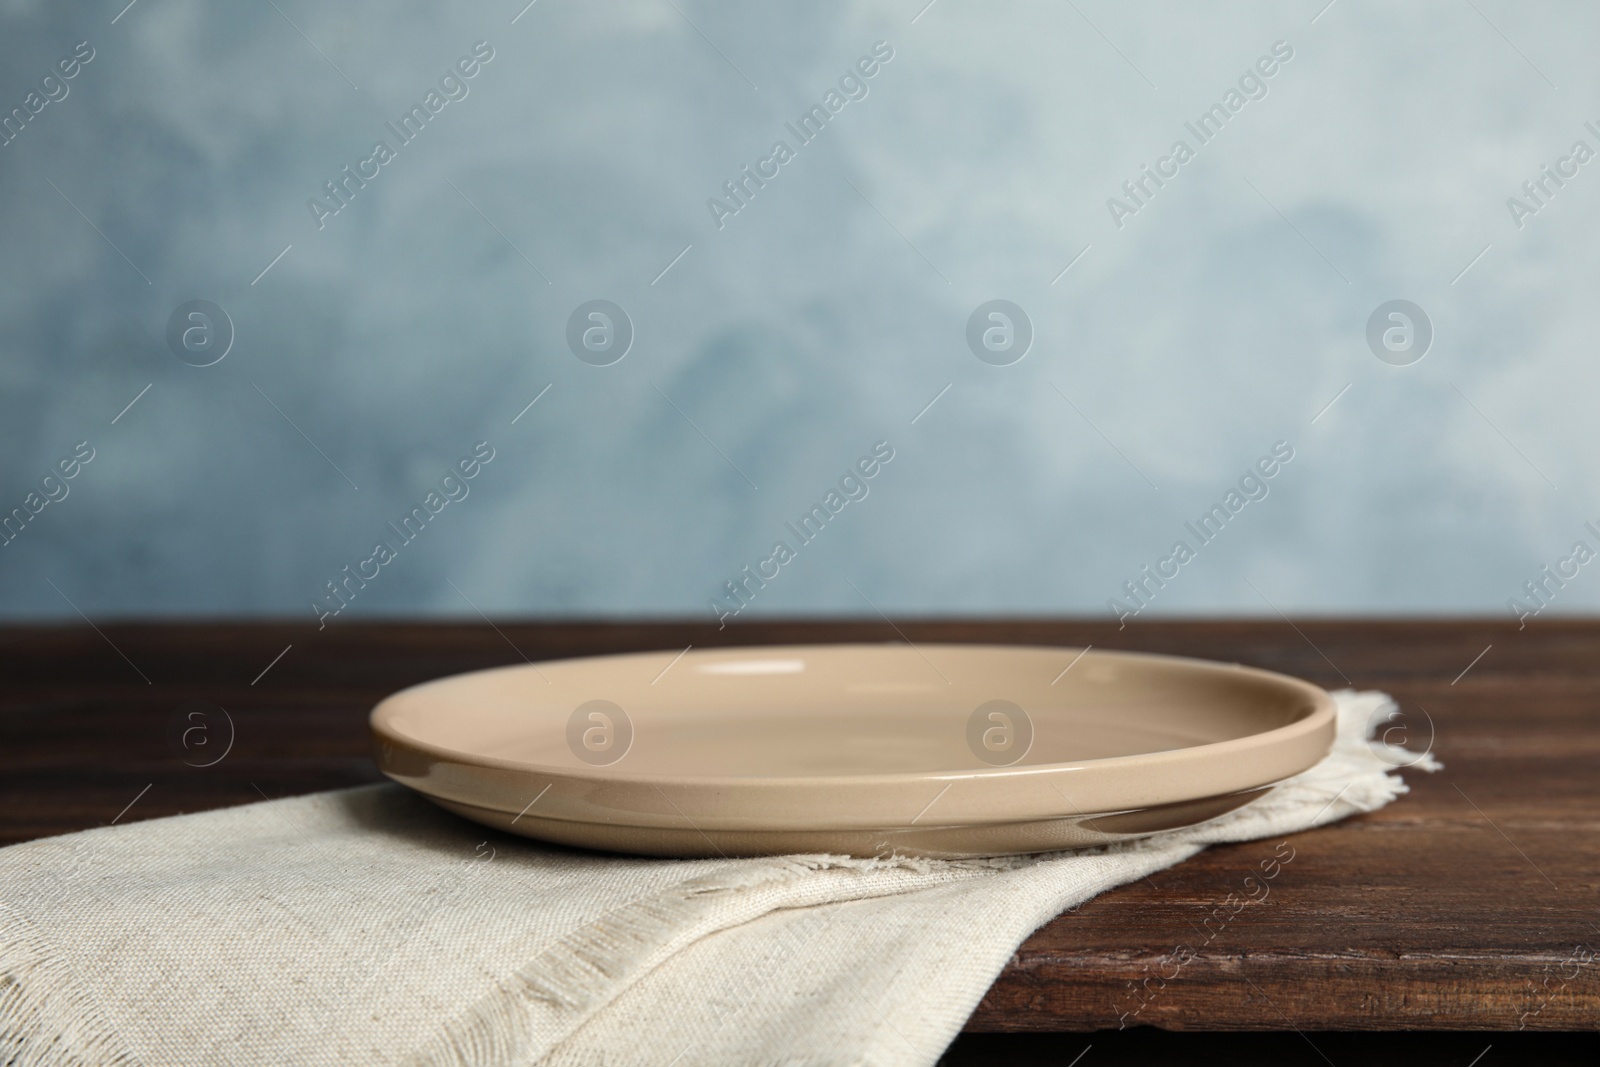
<point>366,926</point>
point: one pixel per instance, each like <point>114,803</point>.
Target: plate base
<point>933,842</point>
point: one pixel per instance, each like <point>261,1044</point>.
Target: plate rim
<point>1320,718</point>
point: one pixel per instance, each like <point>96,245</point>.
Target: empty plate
<point>934,750</point>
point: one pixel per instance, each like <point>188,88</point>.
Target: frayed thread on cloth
<point>1368,764</point>
<point>585,963</point>
<point>47,1018</point>
<point>585,969</point>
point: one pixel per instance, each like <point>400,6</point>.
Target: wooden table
<point>1470,904</point>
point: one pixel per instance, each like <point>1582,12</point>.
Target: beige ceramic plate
<point>937,750</point>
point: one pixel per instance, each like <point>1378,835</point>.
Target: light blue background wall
<point>822,318</point>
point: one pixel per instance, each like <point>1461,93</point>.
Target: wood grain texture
<point>1469,904</point>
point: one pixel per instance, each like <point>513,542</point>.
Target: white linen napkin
<point>366,926</point>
